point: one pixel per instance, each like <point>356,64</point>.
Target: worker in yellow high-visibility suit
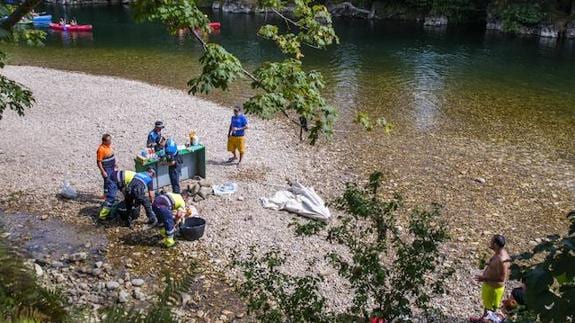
<point>170,207</point>
<point>122,179</point>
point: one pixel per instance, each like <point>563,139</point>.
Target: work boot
<point>104,212</point>
<point>169,242</point>
<point>163,233</point>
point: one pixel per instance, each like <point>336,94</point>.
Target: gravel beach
<point>476,181</point>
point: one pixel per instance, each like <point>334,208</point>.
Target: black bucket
<point>193,228</point>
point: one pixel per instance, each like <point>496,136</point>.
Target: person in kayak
<point>62,21</point>
<point>73,22</point>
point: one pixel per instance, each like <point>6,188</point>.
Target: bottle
<point>192,135</point>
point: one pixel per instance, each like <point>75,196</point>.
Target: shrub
<point>550,282</point>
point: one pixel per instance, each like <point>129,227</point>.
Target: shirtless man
<point>495,274</point>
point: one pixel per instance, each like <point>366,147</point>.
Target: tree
<point>550,279</point>
<point>282,87</point>
<point>14,96</point>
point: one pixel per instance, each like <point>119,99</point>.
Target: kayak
<point>68,27</point>
<point>215,25</point>
<point>42,18</point>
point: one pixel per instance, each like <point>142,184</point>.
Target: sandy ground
<point>57,140</point>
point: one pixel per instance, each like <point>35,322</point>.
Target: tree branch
<point>19,13</point>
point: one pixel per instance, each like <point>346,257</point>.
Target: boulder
<point>549,31</point>
<point>137,282</point>
<point>78,256</point>
<point>236,7</point>
<point>570,30</point>
<point>111,285</point>
<point>123,296</point>
<point>435,21</point>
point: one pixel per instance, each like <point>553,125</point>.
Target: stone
<point>194,189</point>
<point>186,298</point>
<point>111,285</point>
<point>137,282</point>
<point>44,217</point>
<point>570,30</point>
<point>39,271</point>
<point>123,296</point>
<point>480,180</point>
<point>200,314</point>
<point>98,264</point>
<point>204,192</point>
<point>137,294</point>
<point>435,21</point>
<point>57,264</point>
<point>205,183</point>
<point>549,31</point>
<point>240,198</point>
<point>97,272</point>
<point>78,256</point>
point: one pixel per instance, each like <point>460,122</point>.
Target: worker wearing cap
<point>170,207</point>
<point>136,195</point>
<point>155,139</point>
<point>174,161</point>
<point>106,162</point>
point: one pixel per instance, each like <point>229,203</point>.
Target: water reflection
<point>69,38</point>
<point>428,82</point>
<point>346,79</point>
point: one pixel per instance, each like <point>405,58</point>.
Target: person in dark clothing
<point>136,195</point>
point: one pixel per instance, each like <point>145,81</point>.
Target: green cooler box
<point>194,164</point>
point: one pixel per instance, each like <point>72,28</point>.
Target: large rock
<point>549,31</point>
<point>137,282</point>
<point>570,30</point>
<point>435,21</point>
<point>112,285</point>
<point>237,7</point>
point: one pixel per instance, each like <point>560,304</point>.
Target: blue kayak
<point>42,18</point>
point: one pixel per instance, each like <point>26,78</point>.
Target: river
<point>459,79</point>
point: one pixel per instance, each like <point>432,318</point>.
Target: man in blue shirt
<point>155,139</point>
<point>136,195</point>
<point>236,132</point>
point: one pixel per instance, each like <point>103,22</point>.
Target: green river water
<point>460,80</point>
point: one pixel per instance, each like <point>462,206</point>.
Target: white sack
<point>300,200</point>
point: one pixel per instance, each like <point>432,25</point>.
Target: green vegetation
<point>14,96</point>
<point>283,87</point>
<point>392,271</point>
<point>274,296</point>
<point>548,272</point>
<point>21,298</point>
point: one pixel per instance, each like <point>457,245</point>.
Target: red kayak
<point>215,25</point>
<point>71,27</point>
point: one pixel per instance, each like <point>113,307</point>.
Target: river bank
<point>485,186</point>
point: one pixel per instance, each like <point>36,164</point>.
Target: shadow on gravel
<point>220,163</point>
<point>149,238</point>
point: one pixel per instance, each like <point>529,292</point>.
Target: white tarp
<point>300,200</point>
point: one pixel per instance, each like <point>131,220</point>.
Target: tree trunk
<point>22,10</point>
<point>348,6</point>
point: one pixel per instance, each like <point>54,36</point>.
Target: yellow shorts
<point>491,296</point>
<point>236,143</point>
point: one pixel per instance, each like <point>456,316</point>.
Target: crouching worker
<point>136,195</point>
<point>171,209</point>
<point>122,179</point>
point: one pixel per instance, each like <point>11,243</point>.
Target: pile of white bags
<point>300,200</point>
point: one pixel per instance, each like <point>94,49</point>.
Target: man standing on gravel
<point>494,276</point>
<point>236,139</point>
<point>106,162</point>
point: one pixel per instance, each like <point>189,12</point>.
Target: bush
<point>550,283</point>
<point>391,271</point>
<point>516,15</point>
<point>273,296</point>
<point>22,299</point>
